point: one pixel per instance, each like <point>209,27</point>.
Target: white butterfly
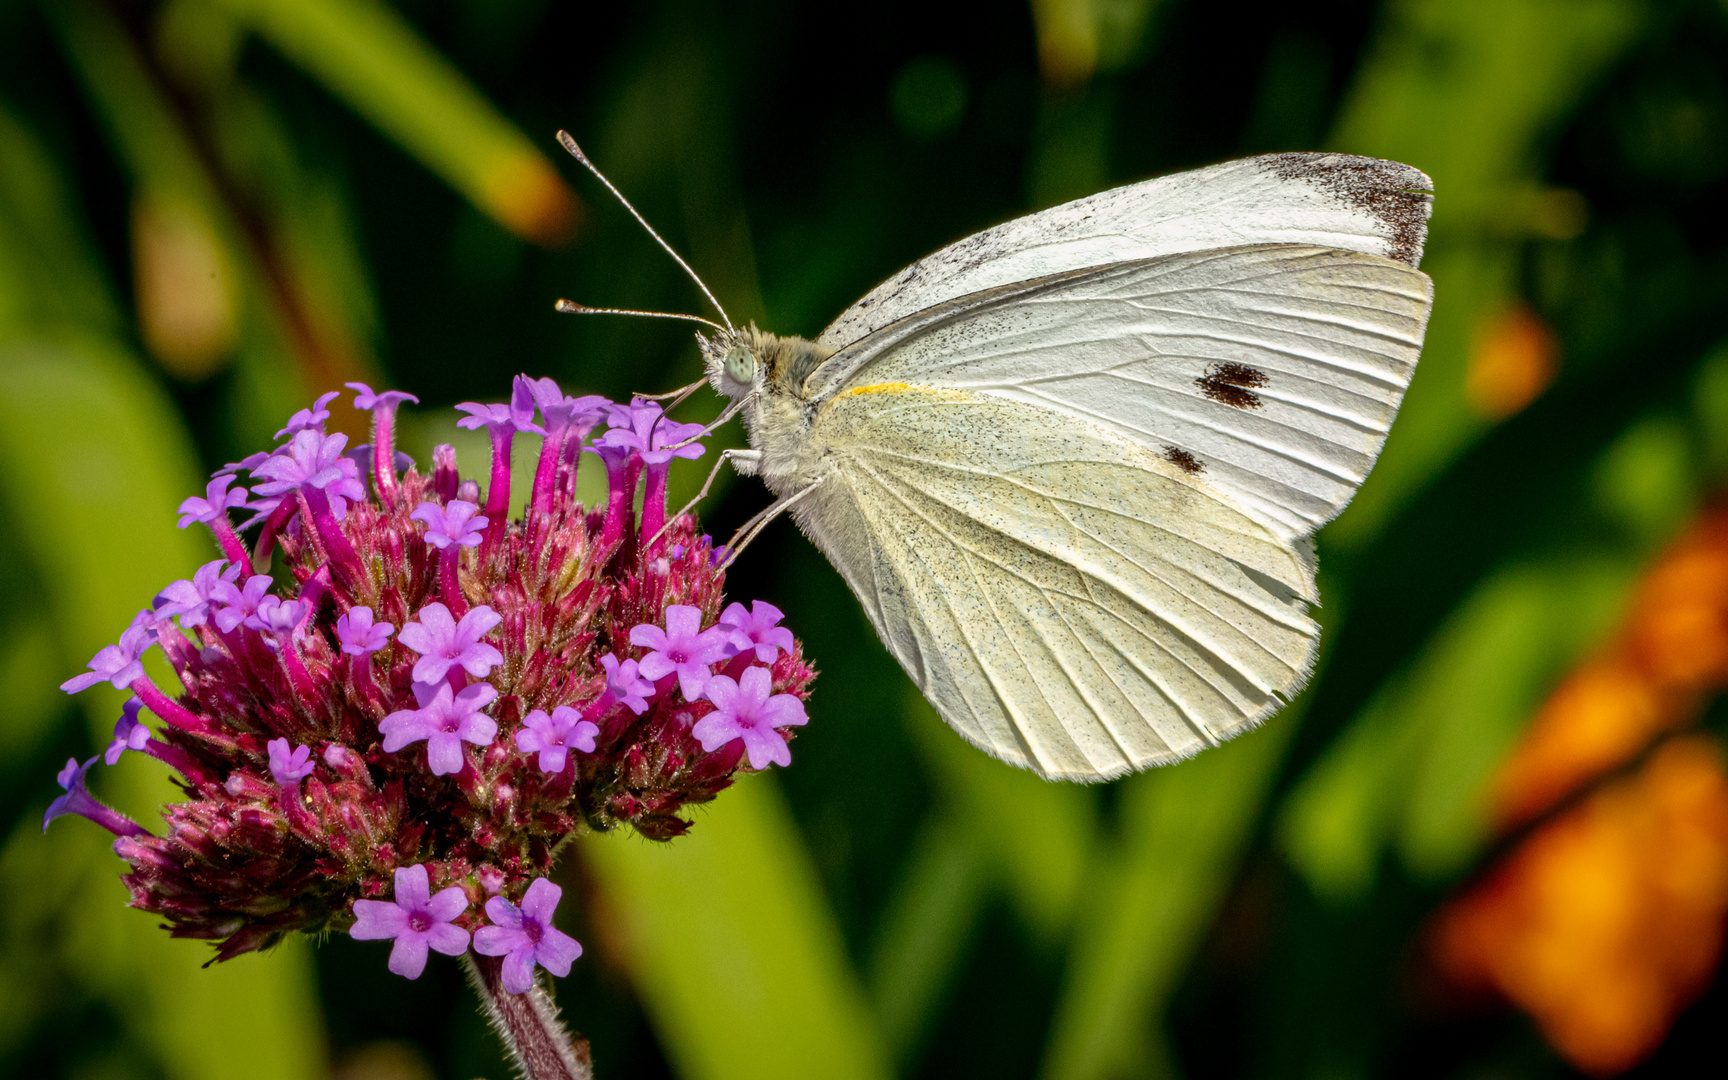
<point>1072,465</point>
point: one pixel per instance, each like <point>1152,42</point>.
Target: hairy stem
<point>528,1023</point>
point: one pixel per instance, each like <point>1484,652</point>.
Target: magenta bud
<point>491,879</point>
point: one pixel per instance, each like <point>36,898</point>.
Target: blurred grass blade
<point>734,948</point>
<point>1183,829</point>
<point>1473,122</point>
<point>94,458</point>
<point>1039,834</point>
<point>369,56</point>
<point>923,934</point>
<point>166,169</point>
<point>1411,769</point>
<point>134,113</point>
<point>48,269</point>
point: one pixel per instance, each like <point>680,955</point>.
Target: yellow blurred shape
<point>1514,358</point>
<point>1067,41</point>
<point>1672,646</point>
<point>1679,628</point>
<point>529,198</point>
<point>184,287</point>
<point>1602,715</point>
<point>1608,921</point>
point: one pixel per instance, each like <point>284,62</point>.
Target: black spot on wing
<point>1232,384</point>
<point>1183,460</point>
<point>1398,196</point>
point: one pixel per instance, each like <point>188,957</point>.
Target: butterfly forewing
<point>1272,372</point>
<point>1330,200</point>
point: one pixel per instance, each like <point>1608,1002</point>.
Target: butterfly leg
<point>753,528</point>
<point>725,414</point>
<point>745,461</point>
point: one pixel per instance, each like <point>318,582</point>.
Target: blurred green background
<point>210,210</point>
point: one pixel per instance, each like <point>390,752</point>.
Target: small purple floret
<point>561,415</point>
<point>312,460</point>
<point>757,629</point>
<point>359,635</point>
<point>78,800</point>
<point>249,462</point>
<point>500,416</point>
<point>216,503</point>
<point>525,936</point>
<point>191,600</point>
<point>366,398</point>
<point>681,648</point>
<point>119,664</point>
<point>444,643</point>
<point>416,920</point>
<point>239,605</point>
<point>642,426</point>
<point>625,684</point>
<point>307,419</point>
<point>456,523</point>
<point>361,456</point>
<point>553,737</point>
<point>446,720</point>
<point>745,710</point>
<point>129,733</point>
<point>289,767</point>
<point>275,615</point>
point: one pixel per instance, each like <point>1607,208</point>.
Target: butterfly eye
<point>740,365</point>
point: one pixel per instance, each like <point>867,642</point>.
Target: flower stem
<point>384,453</point>
<point>654,501</point>
<point>528,1023</point>
<point>232,548</point>
<point>546,474</point>
<point>450,581</point>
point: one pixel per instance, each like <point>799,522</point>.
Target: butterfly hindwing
<point>1067,600</point>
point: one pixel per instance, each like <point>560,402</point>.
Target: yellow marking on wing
<point>880,388</point>
<point>939,392</point>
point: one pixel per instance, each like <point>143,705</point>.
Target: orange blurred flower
<point>1608,921</point>
<point>1513,359</point>
<point>1671,649</point>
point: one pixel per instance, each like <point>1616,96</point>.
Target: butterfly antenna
<point>681,393</point>
<point>571,307</point>
<point>569,144</point>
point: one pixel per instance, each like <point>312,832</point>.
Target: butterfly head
<point>747,360</point>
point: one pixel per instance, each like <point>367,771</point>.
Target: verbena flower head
<point>393,733</point>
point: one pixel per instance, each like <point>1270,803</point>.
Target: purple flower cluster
<point>394,733</point>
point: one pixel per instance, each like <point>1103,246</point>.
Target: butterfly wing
<point>1271,373</point>
<point>1068,600</point>
<point>1328,200</point>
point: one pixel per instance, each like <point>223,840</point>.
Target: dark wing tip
<point>1398,196</point>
